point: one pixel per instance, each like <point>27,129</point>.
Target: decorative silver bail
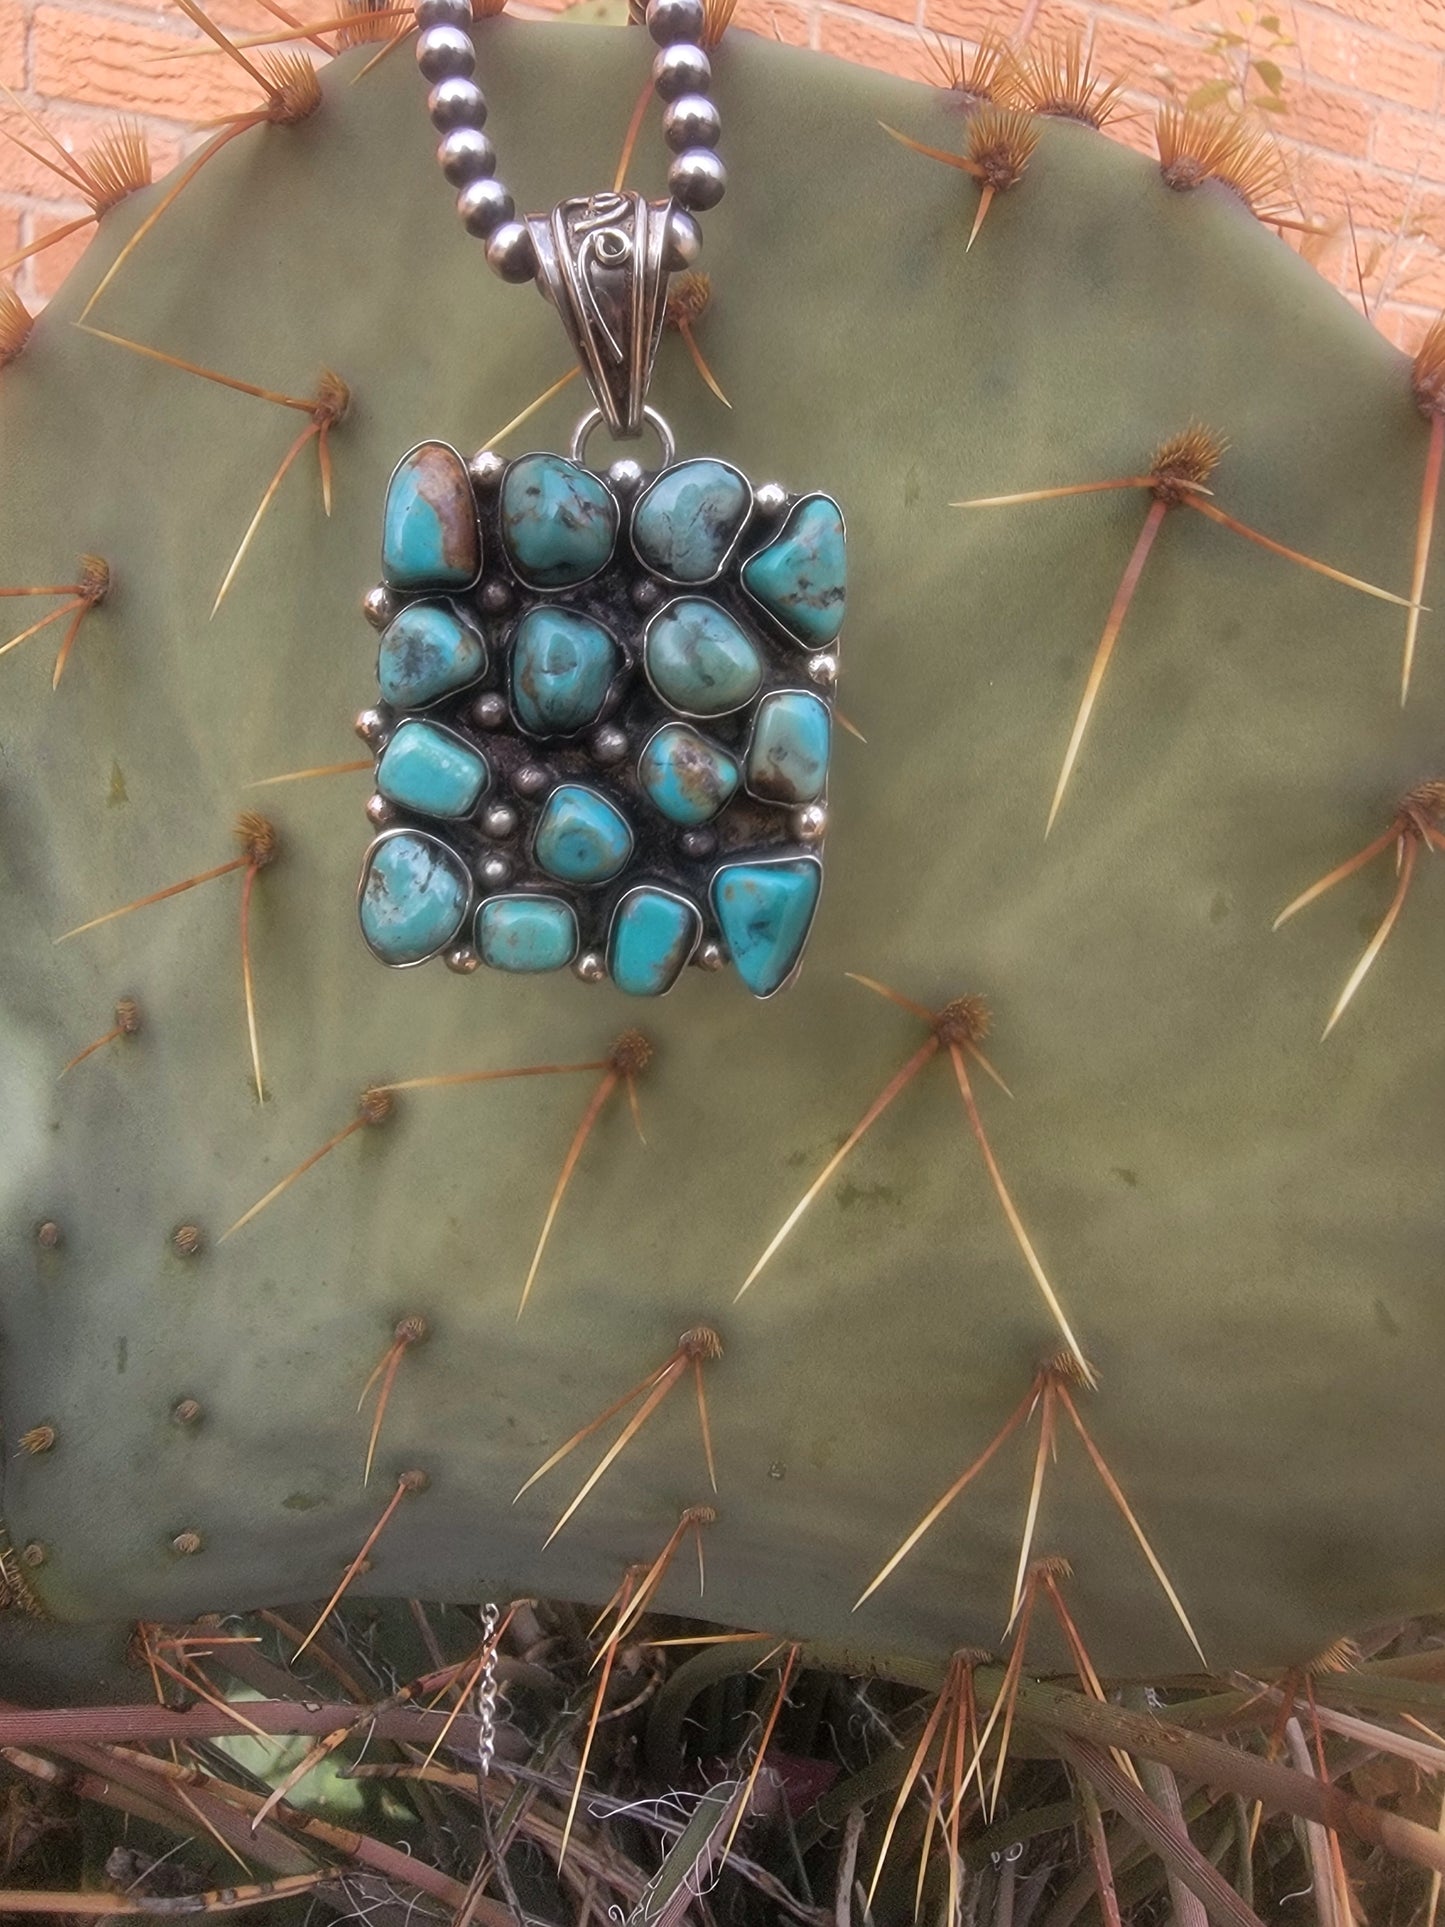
<point>600,263</point>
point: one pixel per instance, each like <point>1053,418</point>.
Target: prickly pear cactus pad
<point>1239,1225</point>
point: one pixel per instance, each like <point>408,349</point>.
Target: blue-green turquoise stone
<point>653,935</point>
<point>526,933</point>
<point>430,538</point>
<point>800,576</point>
<point>788,749</point>
<point>414,895</point>
<point>427,652</point>
<point>558,521</point>
<point>685,776</point>
<point>427,769</point>
<point>562,665</point>
<point>581,838</point>
<point>685,523</point>
<point>699,660</point>
<point>764,910</point>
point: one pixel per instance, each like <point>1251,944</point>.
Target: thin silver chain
<point>487,1698</point>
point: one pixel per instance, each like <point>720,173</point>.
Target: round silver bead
<point>496,597</point>
<point>496,872</point>
<point>529,780</point>
<point>823,670</point>
<point>370,726</point>
<point>510,252</point>
<point>680,70</point>
<point>810,824</point>
<point>500,819</point>
<point>682,241</point>
<point>456,103</point>
<point>446,53</point>
<point>379,811</point>
<point>444,13</point>
<point>698,179</point>
<point>590,968</point>
<point>625,475</point>
<point>607,744</point>
<point>770,497</point>
<point>691,121</point>
<point>378,605</point>
<point>465,156</point>
<point>462,959</point>
<point>698,843</point>
<point>484,205</point>
<point>486,468</point>
<point>672,21</point>
<point>489,711</point>
<point>710,956</point>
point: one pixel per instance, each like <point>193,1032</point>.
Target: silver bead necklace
<point>605,723</point>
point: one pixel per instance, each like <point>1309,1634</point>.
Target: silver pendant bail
<point>600,263</point>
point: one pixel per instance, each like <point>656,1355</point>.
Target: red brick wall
<point>1362,85</point>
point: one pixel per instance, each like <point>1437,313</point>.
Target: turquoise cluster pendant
<point>605,718</point>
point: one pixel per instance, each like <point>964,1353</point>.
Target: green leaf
<point>1210,94</point>
<point>1270,74</point>
<point>1268,105</point>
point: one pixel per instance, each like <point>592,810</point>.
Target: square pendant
<point>605,718</point>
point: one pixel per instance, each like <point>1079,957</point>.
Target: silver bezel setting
<point>674,896</point>
<point>527,581</point>
<point>423,721</point>
<point>438,588</point>
<point>772,863</point>
<point>675,722</point>
<point>691,715</point>
<point>794,510</point>
<point>689,582</point>
<point>420,836</point>
<point>775,802</point>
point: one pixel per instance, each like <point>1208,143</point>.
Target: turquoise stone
<point>799,577</point>
<point>427,652</point>
<point>414,895</point>
<point>581,838</point>
<point>764,910</point>
<point>562,665</point>
<point>430,538</point>
<point>685,523</point>
<point>788,749</point>
<point>558,521</point>
<point>699,661</point>
<point>653,935</point>
<point>427,769</point>
<point>685,776</point>
<point>526,933</point>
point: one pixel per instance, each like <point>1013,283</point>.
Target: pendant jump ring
<point>593,418</point>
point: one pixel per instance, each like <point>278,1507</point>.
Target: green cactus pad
<point>1243,1225</point>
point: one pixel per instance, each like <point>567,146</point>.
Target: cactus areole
<point>1154,1329</point>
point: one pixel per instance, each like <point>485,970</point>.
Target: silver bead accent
<point>823,670</point>
<point>681,70</point>
<point>484,205</point>
<point>510,252</point>
<point>379,811</point>
<point>590,968</point>
<point>496,598</point>
<point>607,744</point>
<point>444,13</point>
<point>456,103</point>
<point>810,824</point>
<point>671,21</point>
<point>530,780</point>
<point>500,819</point>
<point>682,243</point>
<point>698,179</point>
<point>486,468</point>
<point>770,497</point>
<point>378,605</point>
<point>496,872</point>
<point>625,475</point>
<point>489,711</point>
<point>446,53</point>
<point>371,726</point>
<point>710,956</point>
<point>698,843</point>
<point>465,156</point>
<point>691,121</point>
<point>462,959</point>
